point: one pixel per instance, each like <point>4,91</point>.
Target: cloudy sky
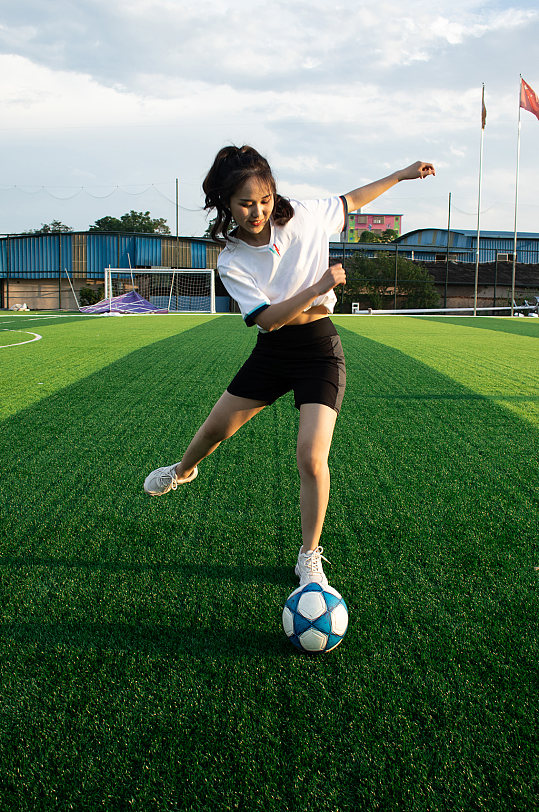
<point>104,103</point>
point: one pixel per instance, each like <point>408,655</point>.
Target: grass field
<point>143,665</point>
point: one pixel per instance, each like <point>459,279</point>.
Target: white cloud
<point>280,45</point>
<point>139,91</point>
<point>479,24</point>
<point>38,97</point>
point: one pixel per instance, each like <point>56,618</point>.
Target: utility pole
<point>177,209</point>
<point>177,263</point>
<point>447,249</point>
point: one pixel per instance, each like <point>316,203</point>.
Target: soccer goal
<point>178,290</point>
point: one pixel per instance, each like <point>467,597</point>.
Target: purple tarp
<point>131,302</point>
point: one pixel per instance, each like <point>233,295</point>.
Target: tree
<point>371,282</point>
<point>379,236</point>
<point>209,227</point>
<point>56,227</point>
<point>136,221</point>
<point>368,236</point>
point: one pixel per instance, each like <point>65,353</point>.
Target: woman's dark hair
<point>232,167</point>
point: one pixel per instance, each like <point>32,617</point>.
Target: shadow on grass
<point>149,638</point>
<point>433,508</point>
<point>94,442</point>
<point>219,572</point>
<point>454,396</point>
<point>46,320</point>
<point>521,327</point>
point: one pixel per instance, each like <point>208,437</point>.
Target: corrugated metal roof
<point>422,235</point>
<point>526,235</point>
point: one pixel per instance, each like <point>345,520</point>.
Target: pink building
<point>359,222</point>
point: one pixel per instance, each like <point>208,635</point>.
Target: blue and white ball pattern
<point>315,618</point>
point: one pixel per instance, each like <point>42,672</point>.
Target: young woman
<point>274,263</point>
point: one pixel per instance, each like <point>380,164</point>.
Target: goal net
<point>178,290</point>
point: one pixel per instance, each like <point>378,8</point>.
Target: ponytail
<point>232,167</point>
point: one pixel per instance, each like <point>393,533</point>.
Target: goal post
<point>177,290</point>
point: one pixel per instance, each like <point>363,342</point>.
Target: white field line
<point>49,316</point>
<point>37,337</point>
<point>100,315</point>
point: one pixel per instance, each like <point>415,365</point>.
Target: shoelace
<point>313,561</point>
<point>168,479</point>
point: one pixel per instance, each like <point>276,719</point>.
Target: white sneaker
<point>309,567</point>
<point>163,480</point>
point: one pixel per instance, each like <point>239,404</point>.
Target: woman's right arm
<point>279,314</point>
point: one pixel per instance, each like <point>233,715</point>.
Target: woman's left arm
<point>360,197</point>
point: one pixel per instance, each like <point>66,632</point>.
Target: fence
<point>33,270</point>
<point>391,276</point>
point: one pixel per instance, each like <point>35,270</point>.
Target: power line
<point>78,190</point>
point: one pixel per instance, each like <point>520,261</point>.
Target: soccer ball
<point>315,618</point>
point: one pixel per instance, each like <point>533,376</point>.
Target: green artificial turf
<point>143,665</point>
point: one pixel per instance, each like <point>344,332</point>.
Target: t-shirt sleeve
<point>331,213</point>
<point>243,288</point>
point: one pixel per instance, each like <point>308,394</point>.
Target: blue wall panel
<point>3,258</point>
<point>35,257</point>
<point>41,257</point>
<point>198,254</point>
<point>147,251</point>
<point>102,251</point>
<point>222,304</point>
<point>66,250</point>
<point>127,251</point>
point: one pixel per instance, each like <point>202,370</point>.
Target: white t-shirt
<point>296,257</point>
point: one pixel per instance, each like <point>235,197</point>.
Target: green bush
<point>90,296</point>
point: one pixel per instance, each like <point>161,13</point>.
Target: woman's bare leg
<point>316,425</point>
<point>228,415</point>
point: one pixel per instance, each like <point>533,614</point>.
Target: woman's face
<point>251,206</point>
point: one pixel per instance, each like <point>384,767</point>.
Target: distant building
<point>358,222</point>
<point>452,265</point>
<point>431,244</point>
<point>35,268</point>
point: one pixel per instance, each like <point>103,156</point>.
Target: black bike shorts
<point>307,359</point>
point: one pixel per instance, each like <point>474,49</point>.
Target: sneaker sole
<point>323,582</point>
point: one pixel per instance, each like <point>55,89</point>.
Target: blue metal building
<point>87,254</point>
<point>29,262</point>
<point>431,245</point>
<point>33,267</point>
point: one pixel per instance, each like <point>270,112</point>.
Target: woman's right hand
<point>335,275</point>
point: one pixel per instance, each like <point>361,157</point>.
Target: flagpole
<point>447,251</point>
<point>479,202</point>
<point>513,281</point>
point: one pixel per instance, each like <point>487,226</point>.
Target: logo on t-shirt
<point>274,250</point>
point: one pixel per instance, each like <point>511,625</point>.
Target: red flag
<point>528,99</point>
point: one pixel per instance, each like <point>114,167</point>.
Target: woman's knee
<point>221,423</point>
<point>311,461</point>
<point>228,415</point>
<point>215,429</point>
